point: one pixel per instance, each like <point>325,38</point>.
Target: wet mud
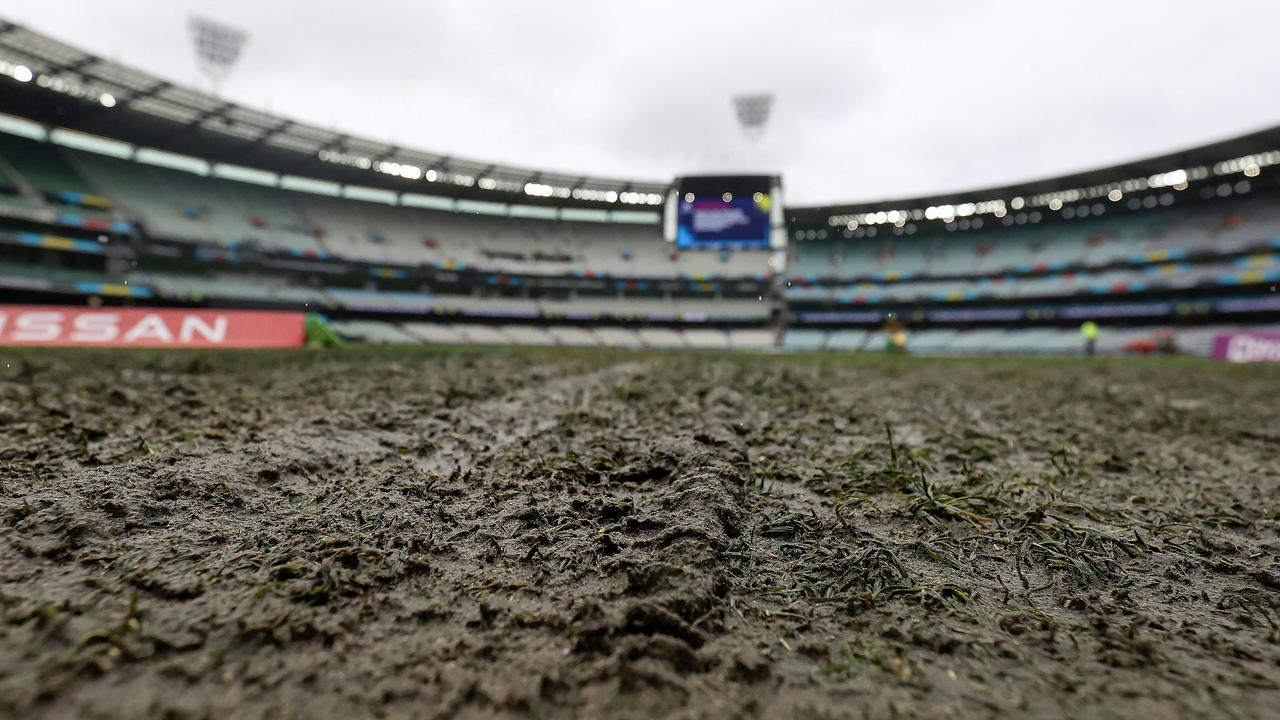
<point>561,534</point>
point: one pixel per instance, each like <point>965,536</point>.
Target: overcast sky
<point>887,99</point>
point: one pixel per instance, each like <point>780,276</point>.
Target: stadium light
<point>217,46</point>
<point>753,113</point>
<point>22,73</point>
<point>108,100</point>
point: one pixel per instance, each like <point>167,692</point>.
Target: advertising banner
<point>1247,347</point>
<point>29,325</point>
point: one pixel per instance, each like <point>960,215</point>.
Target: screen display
<point>730,213</point>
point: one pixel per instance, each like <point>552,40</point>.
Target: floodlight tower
<point>217,46</point>
<point>753,114</point>
<point>753,111</point>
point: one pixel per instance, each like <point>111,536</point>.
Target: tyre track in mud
<point>269,473</point>
<point>291,528</point>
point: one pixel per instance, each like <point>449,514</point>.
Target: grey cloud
<point>875,100</point>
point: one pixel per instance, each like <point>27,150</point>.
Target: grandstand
<point>297,423</point>
<point>167,196</point>
<point>1183,246</point>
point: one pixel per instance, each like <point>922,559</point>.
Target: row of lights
<point>24,74</point>
<point>1250,165</point>
<point>1227,189</point>
<point>626,198</point>
<point>386,167</point>
<point>414,172</point>
<point>639,198</point>
<point>1177,179</point>
<point>976,223</point>
<point>727,197</point>
<point>404,170</point>
<point>868,231</point>
<point>899,218</point>
<point>956,225</point>
<point>1085,210</point>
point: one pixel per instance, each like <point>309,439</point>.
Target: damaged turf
<point>471,535</point>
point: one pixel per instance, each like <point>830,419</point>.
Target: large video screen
<point>724,212</point>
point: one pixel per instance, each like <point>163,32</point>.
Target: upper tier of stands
<point>1196,341</point>
<point>1170,274</point>
<point>179,205</point>
<point>1110,233</point>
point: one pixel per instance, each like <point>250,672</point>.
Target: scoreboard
<point>734,212</point>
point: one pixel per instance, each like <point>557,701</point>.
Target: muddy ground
<point>466,535</point>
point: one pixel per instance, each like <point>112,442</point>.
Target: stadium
<point>299,423</point>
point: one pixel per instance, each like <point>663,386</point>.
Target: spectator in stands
<point>1089,329</point>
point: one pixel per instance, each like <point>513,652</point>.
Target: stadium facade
<point>121,188</point>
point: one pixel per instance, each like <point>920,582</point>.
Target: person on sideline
<point>1089,329</point>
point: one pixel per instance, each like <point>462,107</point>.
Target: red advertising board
<point>149,327</point>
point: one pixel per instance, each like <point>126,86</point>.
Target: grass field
<point>550,533</point>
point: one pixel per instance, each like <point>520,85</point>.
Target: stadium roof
<point>1244,154</point>
<point>59,85</point>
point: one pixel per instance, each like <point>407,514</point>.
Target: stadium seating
<point>803,339</point>
<point>706,339</point>
<point>44,170</point>
<point>277,289</point>
<point>847,339</point>
<point>484,335</point>
<point>752,339</point>
<point>661,338</point>
<point>573,336</point>
<point>528,335</point>
<point>436,333</point>
<point>1162,234</point>
<point>178,205</point>
<point>1175,274</point>
<point>373,332</point>
<point>1213,238</point>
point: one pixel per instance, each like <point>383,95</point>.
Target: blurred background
<point>919,177</point>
